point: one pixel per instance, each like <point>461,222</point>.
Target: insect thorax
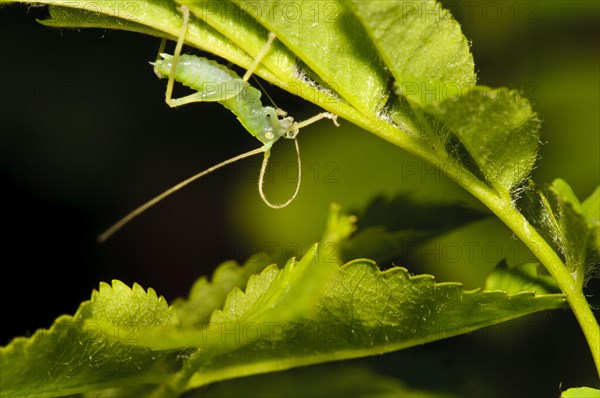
<point>261,121</point>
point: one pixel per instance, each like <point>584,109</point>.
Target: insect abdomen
<point>196,72</point>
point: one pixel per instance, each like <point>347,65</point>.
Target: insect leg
<point>226,90</point>
<point>186,18</point>
<point>261,54</point>
<point>295,128</point>
<point>213,93</point>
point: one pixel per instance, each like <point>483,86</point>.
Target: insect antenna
<point>263,168</point>
<point>262,89</point>
<point>267,154</point>
<point>122,222</point>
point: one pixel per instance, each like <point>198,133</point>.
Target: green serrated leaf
<point>497,128</point>
<point>422,46</point>
<point>580,392</point>
<point>73,356</point>
<point>520,278</point>
<point>284,319</point>
<point>365,312</point>
<point>309,312</point>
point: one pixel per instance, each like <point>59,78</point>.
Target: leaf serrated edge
<point>207,376</point>
<point>271,271</point>
<point>431,278</point>
<point>80,316</point>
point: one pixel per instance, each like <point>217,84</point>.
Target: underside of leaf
<point>498,129</point>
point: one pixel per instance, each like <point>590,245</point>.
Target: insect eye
<point>269,134</point>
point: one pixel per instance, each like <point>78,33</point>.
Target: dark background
<point>86,137</point>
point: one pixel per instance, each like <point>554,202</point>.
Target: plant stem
<point>548,257</point>
<point>503,207</point>
<point>505,210</point>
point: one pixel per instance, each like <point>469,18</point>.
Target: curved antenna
<point>118,225</point>
<point>263,168</point>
